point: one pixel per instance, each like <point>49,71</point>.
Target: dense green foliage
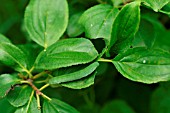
<point>80,56</point>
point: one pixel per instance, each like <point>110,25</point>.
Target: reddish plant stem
<point>34,87</point>
<point>38,92</point>
<point>125,2</point>
<point>41,74</point>
<point>22,76</point>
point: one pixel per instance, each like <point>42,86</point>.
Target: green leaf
<point>102,68</point>
<point>98,20</point>
<point>120,2</point>
<point>68,70</point>
<point>117,106</point>
<point>5,106</point>
<point>66,53</point>
<point>138,64</point>
<point>166,9</point>
<point>46,21</point>
<point>6,81</point>
<point>116,2</point>
<point>146,32</point>
<point>123,34</point>
<point>75,75</point>
<point>86,108</point>
<point>31,51</point>
<point>156,5</point>
<point>160,99</point>
<point>150,30</point>
<point>163,42</point>
<point>31,107</point>
<point>74,27</point>
<point>4,39</point>
<point>57,106</point>
<point>82,83</point>
<point>127,89</point>
<point>13,56</point>
<point>19,96</point>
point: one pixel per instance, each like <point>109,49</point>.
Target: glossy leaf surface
<point>122,34</point>
<point>13,56</point>
<point>82,83</point>
<point>166,9</point>
<point>66,53</point>
<point>75,75</point>
<point>57,106</point>
<point>46,21</point>
<point>138,64</point>
<point>31,107</point>
<point>6,81</point>
<point>98,20</point>
<point>156,5</point>
<point>4,39</point>
<point>19,96</point>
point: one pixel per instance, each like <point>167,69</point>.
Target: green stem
<point>46,97</point>
<point>38,92</point>
<point>104,60</point>
<point>32,94</point>
<point>31,69</point>
<point>42,81</point>
<point>22,76</point>
<point>100,1</point>
<point>123,1</point>
<point>24,82</point>
<point>43,87</point>
<point>39,75</point>
<point>38,101</point>
<point>29,73</point>
<point>102,53</point>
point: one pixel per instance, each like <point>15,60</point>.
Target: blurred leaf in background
<point>11,19</point>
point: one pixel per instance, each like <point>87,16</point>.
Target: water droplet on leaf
<point>144,61</point>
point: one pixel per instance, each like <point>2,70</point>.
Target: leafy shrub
<point>80,49</point>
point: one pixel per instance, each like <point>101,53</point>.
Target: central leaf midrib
<point>104,20</point>
<point>69,78</point>
<point>45,32</point>
<point>132,70</point>
<point>143,63</point>
<point>54,107</point>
